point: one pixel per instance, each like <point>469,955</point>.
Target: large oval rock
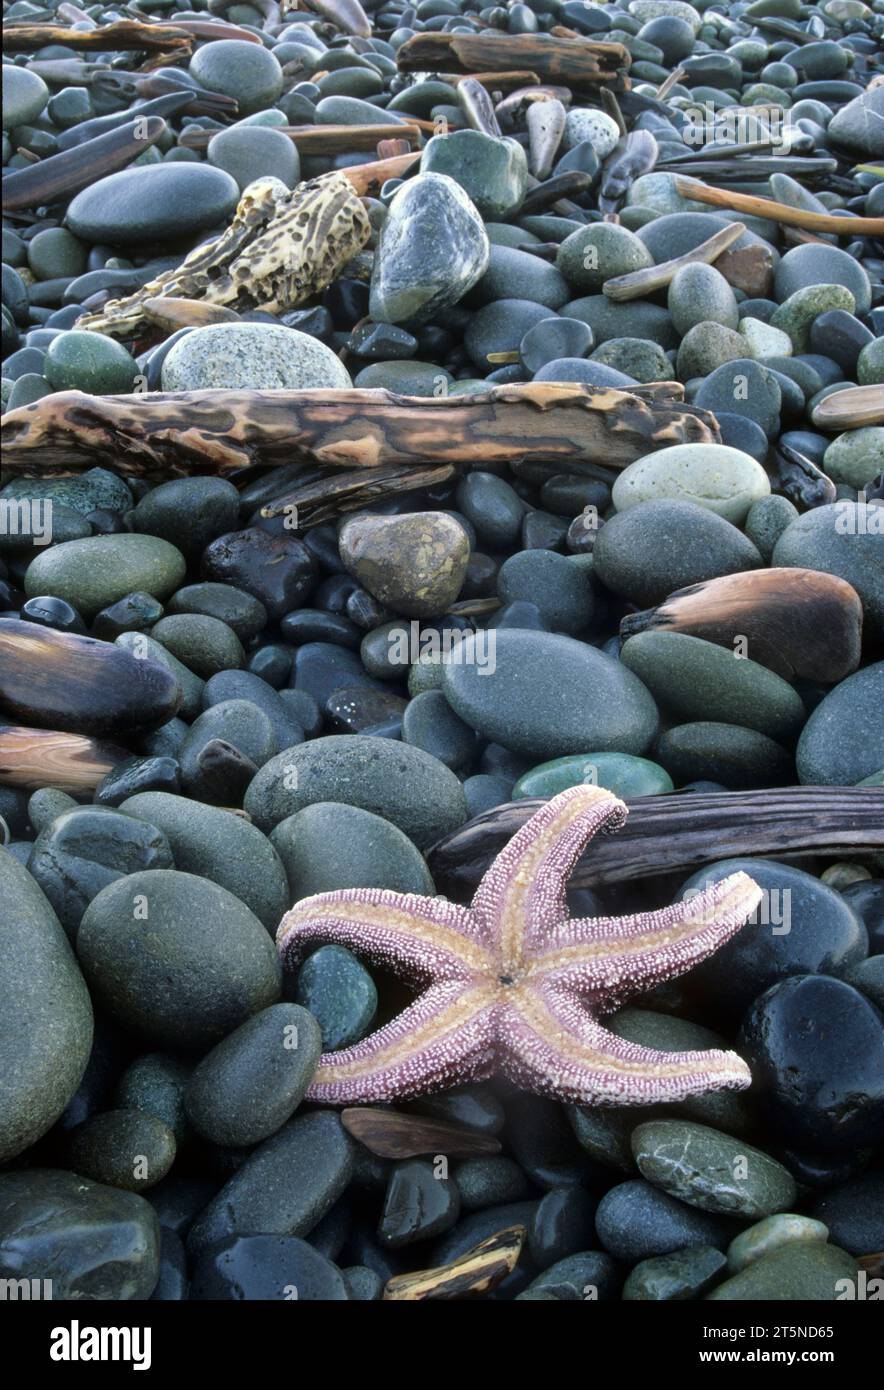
<point>843,740</point>
<point>432,249</point>
<point>251,357</point>
<point>177,958</point>
<point>403,784</point>
<point>94,572</point>
<point>548,695</point>
<point>700,680</point>
<point>806,1271</point>
<point>286,1185</point>
<point>46,1021</point>
<point>801,926</point>
<point>645,553</point>
<point>157,202</point>
<point>711,1170</point>
<point>246,1088</point>
<point>842,538</point>
<point>328,846</point>
<point>92,1242</point>
<point>816,1049</point>
<point>724,480</point>
<point>220,846</point>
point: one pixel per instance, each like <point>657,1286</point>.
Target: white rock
<point>601,130</point>
<point>714,476</point>
<point>252,357</point>
<point>764,341</point>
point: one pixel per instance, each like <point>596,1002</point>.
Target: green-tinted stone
<point>155,1082</point>
<point>668,1278</point>
<point>46,1032</point>
<point>253,1081</point>
<point>339,993</point>
<point>797,313</point>
<point>328,846</point>
<point>726,1110</point>
<point>90,362</point>
<point>711,1170</point>
<point>769,1235</point>
<point>856,457</point>
<point>96,571</point>
<point>699,680</point>
<point>123,1148</point>
<point>621,773</point>
<point>870,364</point>
<point>803,1271</point>
<point>493,172</point>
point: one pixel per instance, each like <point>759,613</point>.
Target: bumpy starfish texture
<point>514,986</point>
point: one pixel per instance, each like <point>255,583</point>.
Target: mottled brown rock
<point>412,564</point>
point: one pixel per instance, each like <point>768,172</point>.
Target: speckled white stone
<point>598,128</point>
<point>723,480</point>
<point>252,357</point>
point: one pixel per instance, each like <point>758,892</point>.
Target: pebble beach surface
<point>216,703</point>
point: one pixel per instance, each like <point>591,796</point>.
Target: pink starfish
<point>513,985</point>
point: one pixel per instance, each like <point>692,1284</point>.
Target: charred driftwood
<point>666,834</point>
<point>800,623</point>
<point>178,434</point>
<point>576,63</point>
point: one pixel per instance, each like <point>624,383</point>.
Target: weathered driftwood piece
<point>368,179</point>
<point>475,1272</point>
<point>322,499</point>
<point>851,409</point>
<point>125,35</point>
<point>398,1134</point>
<point>668,834</point>
<point>35,758</point>
<point>174,435</point>
<point>347,15</point>
<point>780,212</point>
<point>66,173</point>
<point>639,283</point>
<point>576,63</point>
<point>172,314</point>
<point>324,139</point>
<point>797,622</point>
<point>280,249</point>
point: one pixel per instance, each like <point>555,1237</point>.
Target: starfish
<point>514,986</point>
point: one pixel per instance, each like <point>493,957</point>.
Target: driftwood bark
<point>851,409</point>
<point>66,173</point>
<point>126,35</point>
<point>399,1134</point>
<point>666,834</point>
<point>639,283</point>
<point>780,212</point>
<point>325,139</point>
<point>576,63</point>
<point>476,1272</point>
<point>178,434</point>
<point>35,758</point>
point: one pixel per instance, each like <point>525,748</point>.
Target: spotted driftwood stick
<point>669,834</point>
<point>176,435</point>
<point>576,63</point>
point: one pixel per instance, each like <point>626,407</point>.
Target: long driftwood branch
<point>174,435</point>
<point>779,212</point>
<point>576,63</point>
<point>666,834</point>
<point>125,35</point>
<point>66,173</point>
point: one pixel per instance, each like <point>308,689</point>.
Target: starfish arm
<point>424,938</point>
<point>522,896</point>
<point>445,1038</point>
<point>608,959</point>
<point>551,1045</point>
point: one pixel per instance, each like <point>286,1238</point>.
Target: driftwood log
<point>126,35</point>
<point>669,834</point>
<point>324,139</point>
<point>176,435</point>
<point>575,63</point>
<point>35,758</point>
<point>779,212</point>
